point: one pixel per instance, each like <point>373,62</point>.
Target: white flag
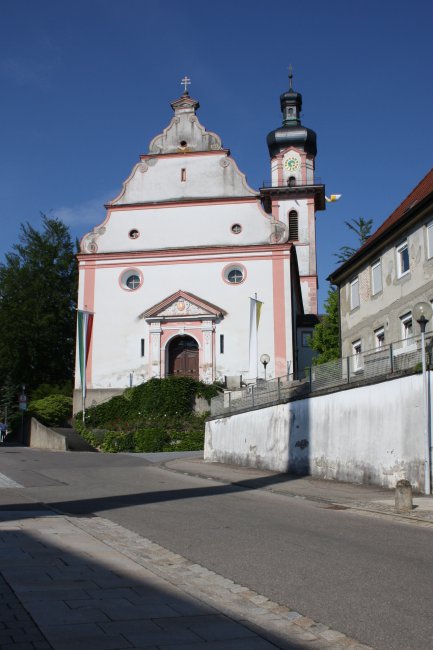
<point>255,309</point>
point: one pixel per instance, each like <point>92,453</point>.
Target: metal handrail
<point>297,185</point>
<point>400,356</point>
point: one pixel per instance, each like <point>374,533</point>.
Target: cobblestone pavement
<point>86,583</point>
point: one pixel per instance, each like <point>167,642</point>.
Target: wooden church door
<point>183,357</point>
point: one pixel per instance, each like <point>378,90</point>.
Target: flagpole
<point>85,326</point>
<point>257,341</point>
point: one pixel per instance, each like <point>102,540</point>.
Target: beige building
<point>380,284</point>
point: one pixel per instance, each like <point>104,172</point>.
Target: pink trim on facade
<point>279,316</point>
<point>311,282</point>
<point>186,252</point>
<point>253,258</point>
<point>312,235</point>
<point>177,154</point>
<point>89,305</point>
<point>116,207</point>
<point>213,353</point>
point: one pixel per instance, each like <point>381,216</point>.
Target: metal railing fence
<point>404,355</point>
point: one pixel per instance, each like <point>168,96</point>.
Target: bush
<point>155,416</point>
<point>52,410</point>
<point>150,440</point>
<point>115,441</point>
<point>45,390</point>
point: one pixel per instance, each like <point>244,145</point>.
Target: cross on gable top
<point>186,81</point>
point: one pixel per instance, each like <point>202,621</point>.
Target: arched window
<point>293,225</point>
<point>291,182</point>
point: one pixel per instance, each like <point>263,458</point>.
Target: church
<point>193,272</point>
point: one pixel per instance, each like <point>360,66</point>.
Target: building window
<point>376,277</point>
<point>183,174</point>
<point>234,274</point>
<point>236,228</point>
<point>406,327</point>
<point>379,338</point>
<point>292,181</point>
<point>142,347</point>
<point>402,259</point>
<point>131,280</point>
<point>357,355</point>
<point>430,239</point>
<point>221,343</point>
<point>293,225</point>
<point>134,234</point>
<point>306,339</point>
<point>354,294</point>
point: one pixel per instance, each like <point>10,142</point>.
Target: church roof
<point>291,133</point>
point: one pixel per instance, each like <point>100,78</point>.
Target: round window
<point>133,282</point>
<point>183,143</point>
<point>234,274</point>
<point>134,234</point>
<point>236,228</point>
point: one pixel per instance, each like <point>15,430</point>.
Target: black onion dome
<point>292,133</point>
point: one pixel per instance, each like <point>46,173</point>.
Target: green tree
<point>326,335</point>
<point>362,228</point>
<point>38,287</point>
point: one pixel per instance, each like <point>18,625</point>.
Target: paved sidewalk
<point>334,493</point>
<point>86,583</point>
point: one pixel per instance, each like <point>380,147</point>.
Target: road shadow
<point>114,502</point>
<point>66,599</point>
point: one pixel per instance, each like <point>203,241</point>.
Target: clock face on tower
<point>291,164</point>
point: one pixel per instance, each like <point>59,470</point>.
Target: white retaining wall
<point>371,434</point>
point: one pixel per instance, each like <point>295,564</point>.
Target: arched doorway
<point>183,357</point>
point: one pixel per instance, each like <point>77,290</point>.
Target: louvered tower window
<point>293,225</point>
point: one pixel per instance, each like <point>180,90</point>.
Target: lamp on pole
<point>265,358</point>
<point>422,312</point>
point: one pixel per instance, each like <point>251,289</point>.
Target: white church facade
<point>167,279</point>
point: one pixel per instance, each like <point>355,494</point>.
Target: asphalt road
<point>368,577</point>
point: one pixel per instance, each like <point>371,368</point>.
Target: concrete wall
<point>371,434</point>
<point>42,437</point>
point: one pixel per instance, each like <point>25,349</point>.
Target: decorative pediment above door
<point>183,305</point>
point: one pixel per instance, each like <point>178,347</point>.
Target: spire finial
<point>290,77</point>
<point>186,81</point>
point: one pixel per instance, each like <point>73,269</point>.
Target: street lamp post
<point>265,358</point>
<point>422,313</point>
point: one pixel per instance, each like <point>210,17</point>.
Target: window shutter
<point>293,225</point>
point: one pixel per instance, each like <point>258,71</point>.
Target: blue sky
<point>85,85</point>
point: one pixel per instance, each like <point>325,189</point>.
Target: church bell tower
<point>293,194</point>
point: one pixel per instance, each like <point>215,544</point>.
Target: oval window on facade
<point>236,228</point>
<point>131,280</point>
<point>234,274</point>
<point>134,234</point>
